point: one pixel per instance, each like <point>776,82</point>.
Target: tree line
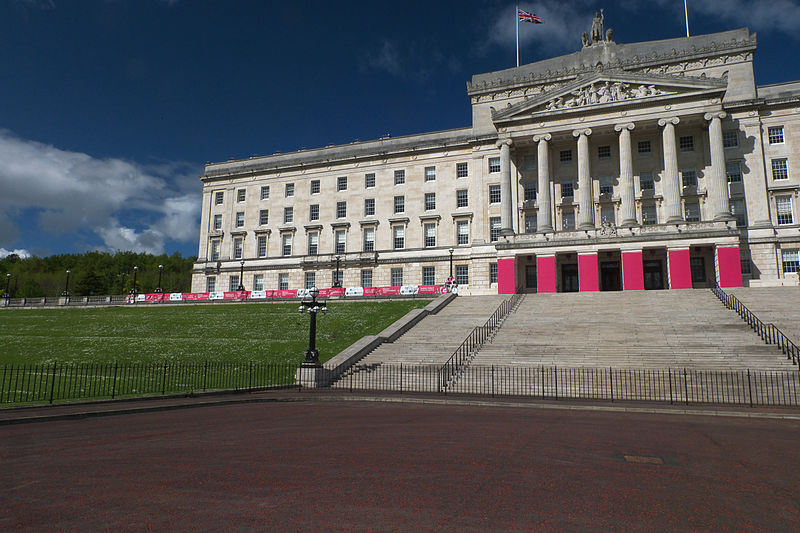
<point>94,273</point>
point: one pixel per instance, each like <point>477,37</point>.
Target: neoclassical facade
<point>650,165</point>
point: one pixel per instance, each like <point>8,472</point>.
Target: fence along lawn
<point>96,353</point>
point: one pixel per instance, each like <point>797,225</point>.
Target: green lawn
<point>227,333</point>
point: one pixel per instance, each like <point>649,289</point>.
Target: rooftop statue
<point>597,27</point>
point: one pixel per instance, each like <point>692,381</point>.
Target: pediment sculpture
<point>602,93</point>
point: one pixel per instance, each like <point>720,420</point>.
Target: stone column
<point>671,186</point>
<point>506,219</point>
<point>627,192</point>
<point>717,180</point>
<point>585,196</point>
<point>544,223</point>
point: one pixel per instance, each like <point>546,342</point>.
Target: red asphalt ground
<point>336,465</point>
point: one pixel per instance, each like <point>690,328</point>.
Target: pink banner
<point>632,273</point>
<point>187,296</point>
<point>430,289</point>
<point>385,291</point>
<point>588,280</point>
<point>545,273</point>
<point>680,271</point>
<point>333,291</point>
<point>506,276</point>
<point>370,291</point>
<point>156,297</point>
<point>291,293</point>
<point>730,267</point>
<point>237,295</point>
<point>269,294</point>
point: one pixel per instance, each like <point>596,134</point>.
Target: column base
<point>673,220</point>
<point>545,229</point>
<point>506,232</point>
<point>586,225</point>
<point>724,217</point>
<point>629,223</point>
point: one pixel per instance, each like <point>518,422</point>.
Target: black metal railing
<point>675,386</point>
<point>72,381</point>
<point>768,332</point>
<point>477,338</point>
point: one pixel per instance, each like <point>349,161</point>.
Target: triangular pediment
<point>608,88</point>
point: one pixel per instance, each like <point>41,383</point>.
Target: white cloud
<point>758,15</point>
<point>564,23</point>
<point>73,192</point>
<point>23,254</point>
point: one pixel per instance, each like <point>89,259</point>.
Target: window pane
<point>366,278</point>
<point>399,177</point>
<point>494,165</point>
<point>462,170</point>
<point>775,134</point>
<point>369,180</point>
<point>265,192</point>
<point>494,194</point>
<point>462,274</point>
<point>780,171</point>
<point>428,275</point>
<point>397,277</point>
<point>430,173</point>
<point>341,209</point>
<point>211,284</point>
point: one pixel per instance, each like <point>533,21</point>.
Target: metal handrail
<point>768,332</point>
<point>474,341</point>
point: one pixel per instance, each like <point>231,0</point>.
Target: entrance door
<point>610,279</point>
<point>569,278</point>
<point>653,275</point>
<point>530,276</point>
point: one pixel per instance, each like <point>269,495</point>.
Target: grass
<point>259,333</point>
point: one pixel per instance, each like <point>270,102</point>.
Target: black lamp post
<point>8,284</point>
<point>451,262</point>
<point>133,290</point>
<point>160,270</point>
<point>66,287</point>
<point>337,282</point>
<point>241,276</point>
<point>312,308</point>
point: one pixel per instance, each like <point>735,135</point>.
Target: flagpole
<point>686,14</point>
<point>516,25</point>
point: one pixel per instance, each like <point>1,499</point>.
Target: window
<point>217,222</point>
<point>730,139</point>
<point>698,268</point>
<point>566,189</point>
<point>369,180</point>
<point>649,215</point>
<point>646,182</point>
<point>608,214</point>
<point>340,241</point>
<point>369,239</point>
<point>215,250</point>
<point>775,134</point>
<point>237,248</point>
<point>689,177</point>
<point>241,195</point>
<point>313,243</point>
<point>494,194</point>
<point>311,280</point>
<point>397,277</point>
<point>686,143</point>
<point>341,183</point>
<point>337,278</point>
<point>233,282</point>
<point>263,217</point>
<point>265,192</point>
<point>462,198</point>
<point>430,201</point>
<point>315,187</point>
<point>289,190</point>
<point>399,237</point>
<point>211,284</point>
<point>779,169</point>
<point>218,196</point>
<point>369,207</point>
<point>745,263</point>
<point>399,177</point>
<point>530,223</point>
<point>529,191</point>
<point>430,173</point>
<point>462,232</point>
<point>783,205</point>
<point>643,147</point>
<point>738,210</point>
<point>462,274</point>
<point>341,209</point>
<point>494,165</point>
<point>283,282</point>
<point>288,215</point>
<point>429,275</point>
<point>240,219</point>
<point>733,169</point>
<point>399,204</point>
<point>313,212</point>
<point>492,273</point>
<point>604,152</point>
<point>791,260</point>
<point>568,219</point>
<point>261,245</point>
<point>565,156</point>
<point>366,278</point>
<point>494,228</point>
<point>430,235</point>
<point>462,170</point>
<point>606,185</point>
<point>287,245</point>
<point>258,282</point>
<point>692,211</point>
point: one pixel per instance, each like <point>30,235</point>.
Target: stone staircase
<point>777,305</point>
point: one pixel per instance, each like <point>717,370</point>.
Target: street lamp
<point>451,261</point>
<point>66,287</point>
<point>133,290</point>
<point>8,284</point>
<point>312,308</point>
<point>241,276</point>
<point>160,270</point>
<point>337,282</point>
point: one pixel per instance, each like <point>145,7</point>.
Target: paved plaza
<point>337,464</point>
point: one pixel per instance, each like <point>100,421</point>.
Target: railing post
<point>250,381</point>
<point>749,388</point>
<point>164,380</point>
<point>492,381</point>
<point>611,381</point>
<point>205,374</point>
<point>670,386</point>
<point>114,383</point>
<point>53,383</point>
<point>685,386</point>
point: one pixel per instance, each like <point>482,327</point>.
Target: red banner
<point>291,293</point>
<point>333,291</point>
<point>430,289</point>
<point>195,296</point>
<point>385,291</point>
<point>156,297</point>
<point>370,291</point>
<point>237,295</point>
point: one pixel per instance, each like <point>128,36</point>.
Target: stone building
<point>618,167</point>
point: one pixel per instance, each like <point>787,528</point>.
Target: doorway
<point>653,271</point>
<point>610,278</point>
<point>530,277</point>
<point>569,278</point>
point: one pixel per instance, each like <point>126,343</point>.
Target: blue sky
<point>109,108</point>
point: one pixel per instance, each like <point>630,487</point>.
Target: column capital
<point>582,131</point>
<point>671,120</point>
<point>626,126</point>
<point>542,137</point>
<point>504,142</point>
<point>715,114</point>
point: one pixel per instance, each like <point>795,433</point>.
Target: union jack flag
<point>524,16</point>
